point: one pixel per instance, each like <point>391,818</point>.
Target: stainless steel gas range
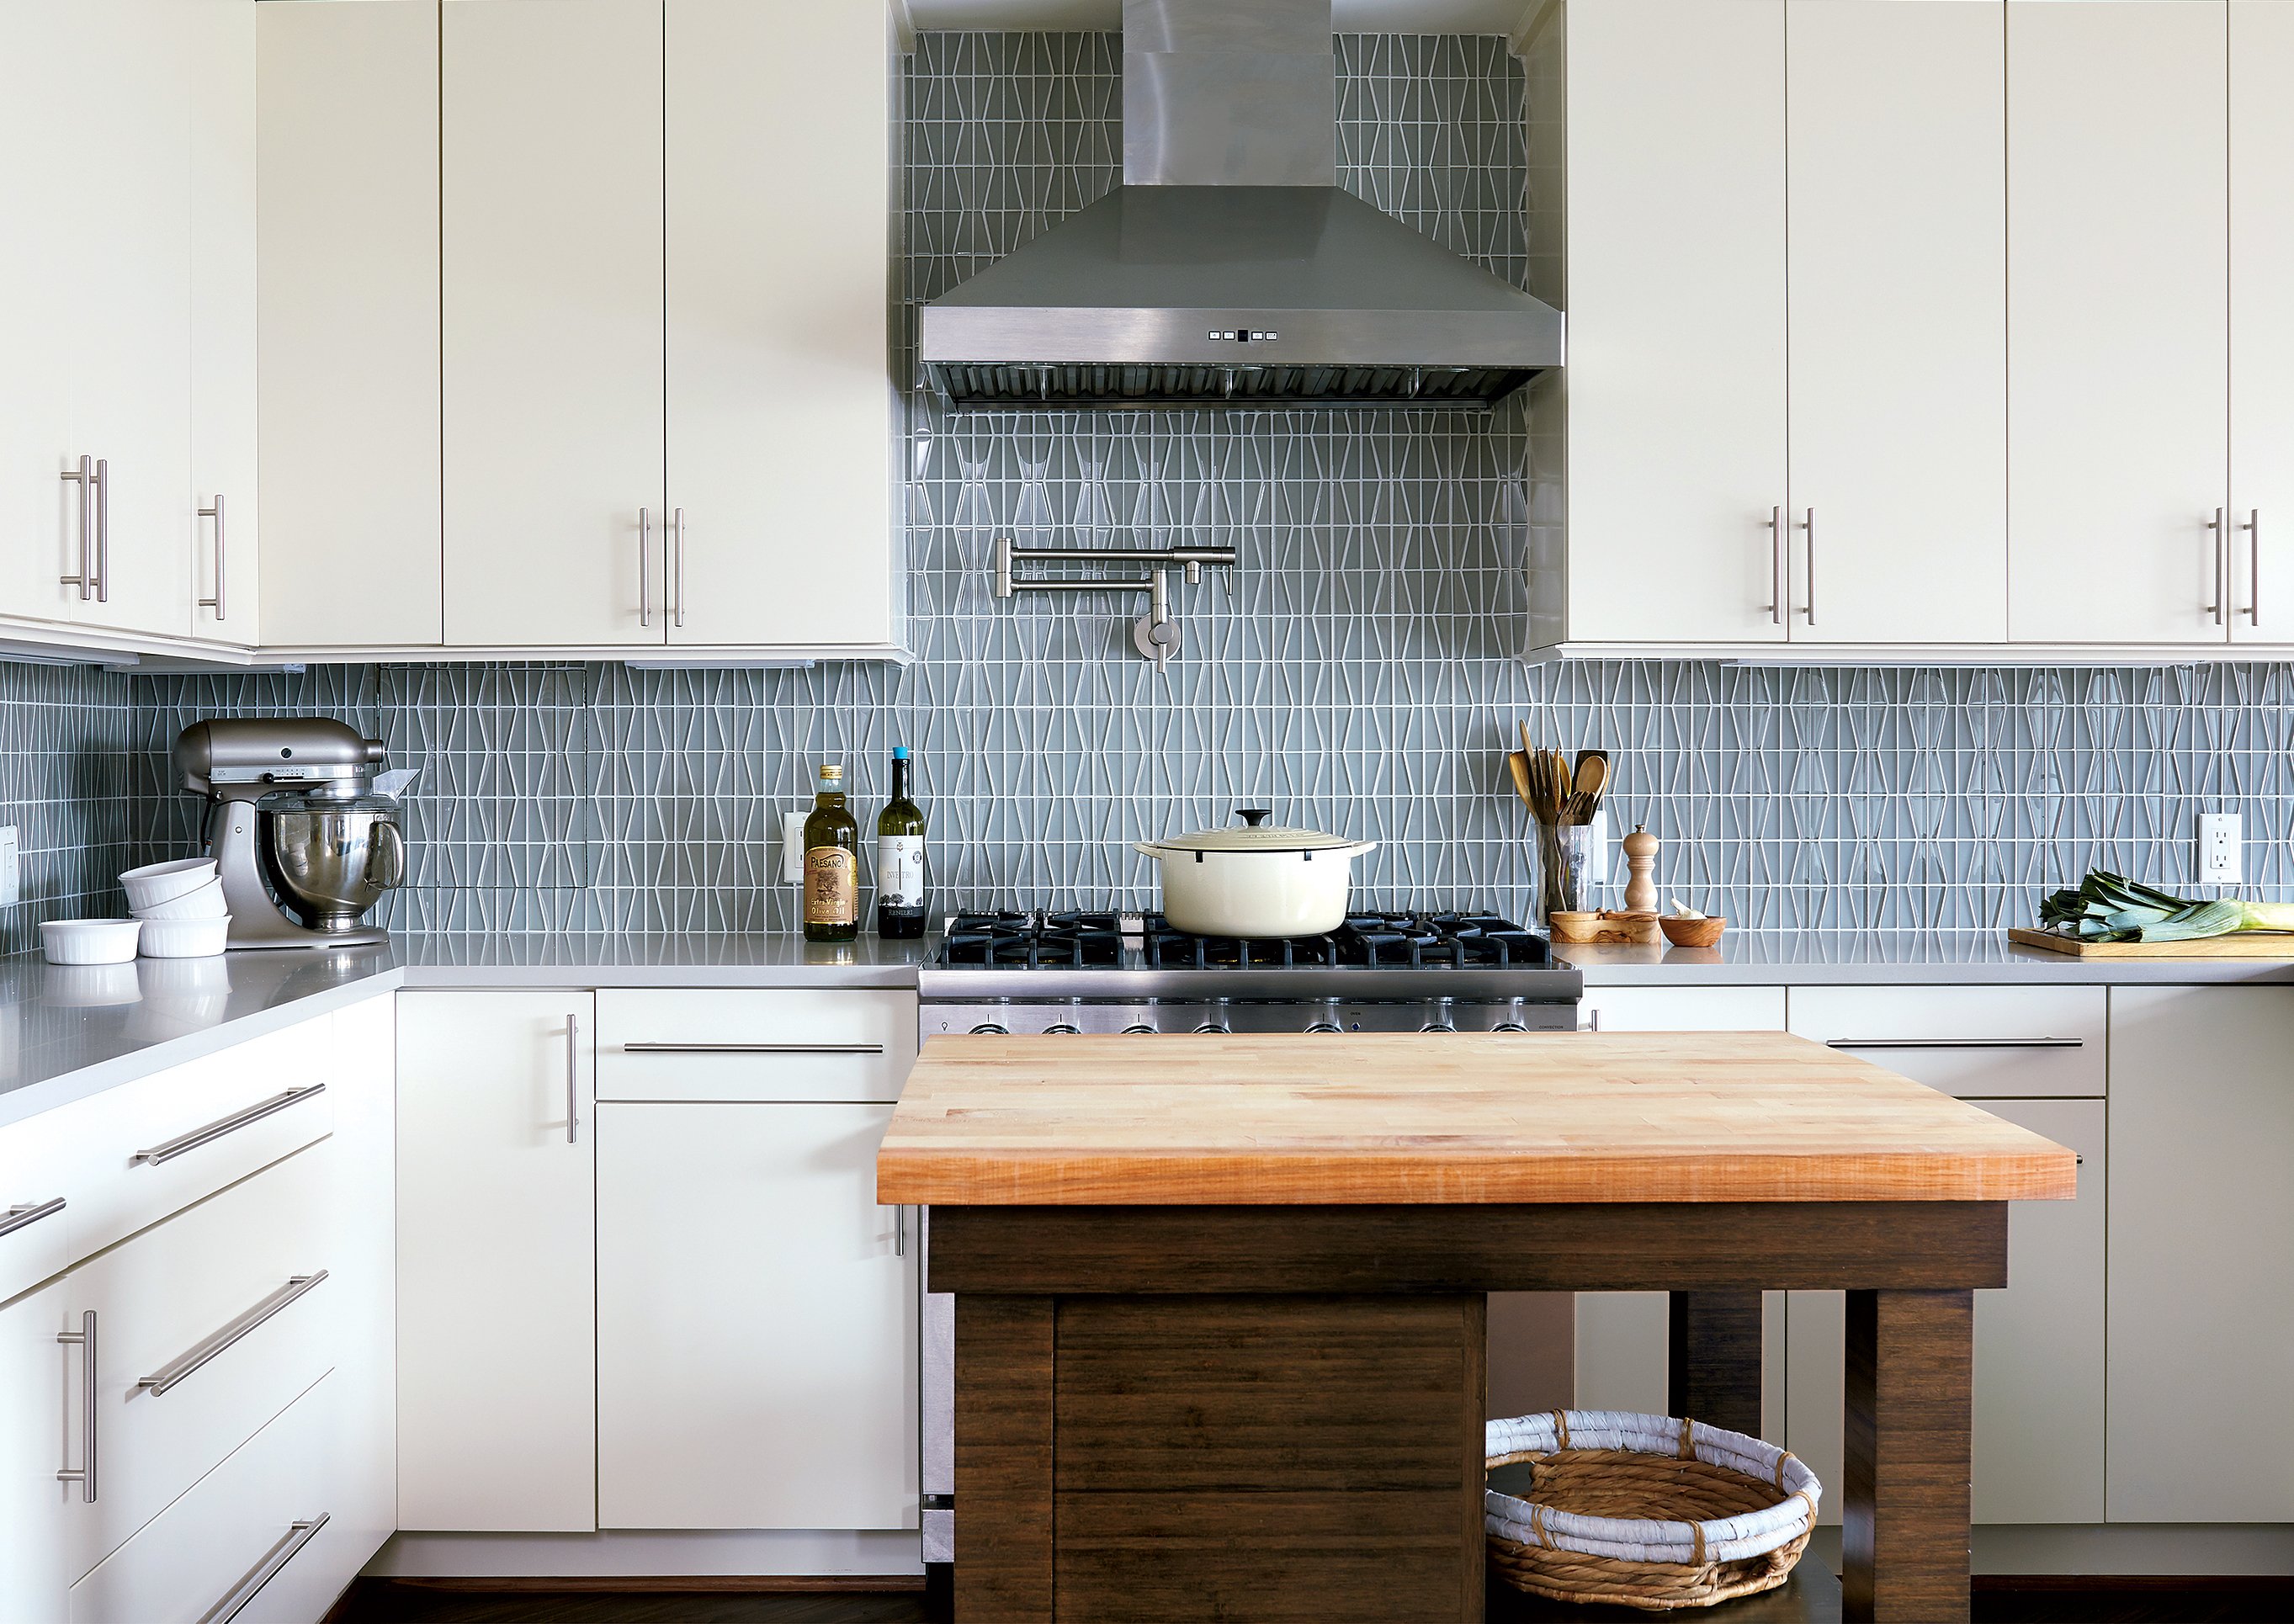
<point>1063,974</point>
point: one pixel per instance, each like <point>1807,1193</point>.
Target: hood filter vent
<point>1020,384</point>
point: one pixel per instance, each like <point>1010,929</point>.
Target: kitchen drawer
<point>219,1279</point>
<point>1980,1043</point>
<point>777,1045</point>
<point>37,1209</point>
<point>251,1517</point>
<point>147,1148</point>
<point>1683,1009</point>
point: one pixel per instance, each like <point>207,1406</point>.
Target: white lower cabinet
<point>496,1294</point>
<point>42,1431</point>
<point>1621,1337</point>
<point>2201,1318</point>
<point>756,1320</point>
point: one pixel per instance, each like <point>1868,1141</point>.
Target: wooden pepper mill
<point>1640,859</point>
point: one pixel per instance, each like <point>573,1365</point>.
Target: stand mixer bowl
<point>330,857</point>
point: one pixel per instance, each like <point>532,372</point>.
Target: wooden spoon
<point>1518,765</point>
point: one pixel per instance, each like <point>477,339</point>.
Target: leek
<point>2109,907</point>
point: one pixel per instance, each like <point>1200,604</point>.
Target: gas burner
<point>1077,940</point>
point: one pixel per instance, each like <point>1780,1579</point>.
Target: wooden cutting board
<point>2268,944</point>
<point>1438,1118</point>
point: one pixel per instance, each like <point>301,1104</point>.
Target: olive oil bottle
<point>832,863</point>
<point>900,858</point>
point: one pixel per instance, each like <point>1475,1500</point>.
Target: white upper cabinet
<point>551,237</point>
<point>1675,382</point>
<point>224,261</point>
<point>1897,311</point>
<point>2117,350</point>
<point>348,206</point>
<point>2262,320</point>
<point>781,408</point>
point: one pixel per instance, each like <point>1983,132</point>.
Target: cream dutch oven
<point>1258,880</point>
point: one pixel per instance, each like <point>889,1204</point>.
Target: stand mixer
<point>304,844</point>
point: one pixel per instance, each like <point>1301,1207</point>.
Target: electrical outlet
<point>1597,865</point>
<point>10,881</point>
<point>2220,860</point>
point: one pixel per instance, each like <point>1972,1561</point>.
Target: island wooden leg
<point>1714,1368</point>
<point>1904,1538</point>
<point>1004,1369</point>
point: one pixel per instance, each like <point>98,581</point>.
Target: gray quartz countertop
<point>1810,958</point>
<point>68,1031</point>
<point>659,959</point>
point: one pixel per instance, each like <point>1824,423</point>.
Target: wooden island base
<point>1275,1413</point>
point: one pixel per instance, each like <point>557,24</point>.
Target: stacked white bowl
<point>181,906</point>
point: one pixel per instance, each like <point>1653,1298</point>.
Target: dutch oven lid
<point>1258,835</point>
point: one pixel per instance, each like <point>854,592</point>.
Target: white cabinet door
<point>2118,338</point>
<point>223,311</point>
<point>779,262</point>
<point>1622,1361</point>
<point>1898,320</point>
<point>361,1477</point>
<point>757,1321</point>
<point>496,1323</point>
<point>348,253</point>
<point>2201,1316</point>
<point>41,1432</point>
<point>2261,321</point>
<point>551,154</point>
<point>130,311</point>
<point>1676,334</point>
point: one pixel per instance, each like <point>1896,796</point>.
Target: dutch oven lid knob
<point>1253,816</point>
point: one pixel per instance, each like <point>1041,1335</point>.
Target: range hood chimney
<point>1229,268</point>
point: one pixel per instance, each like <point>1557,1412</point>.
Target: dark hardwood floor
<point>1995,1602</point>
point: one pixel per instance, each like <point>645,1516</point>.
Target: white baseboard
<point>699,1554</point>
<point>2186,1550</point>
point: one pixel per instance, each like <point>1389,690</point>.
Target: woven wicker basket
<point>1645,1511</point>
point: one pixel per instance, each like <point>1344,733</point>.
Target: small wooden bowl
<point>1574,927</point>
<point>1692,932</point>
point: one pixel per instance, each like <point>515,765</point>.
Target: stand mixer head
<point>303,845</point>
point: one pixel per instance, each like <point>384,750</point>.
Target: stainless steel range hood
<point>1229,269</point>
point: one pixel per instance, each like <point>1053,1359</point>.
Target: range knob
<point>1217,1019</point>
<point>1000,1027</point>
<point>1329,1020</point>
<point>1141,1026</point>
<point>1437,1016</point>
<point>1513,1022</point>
<point>1063,1029</point>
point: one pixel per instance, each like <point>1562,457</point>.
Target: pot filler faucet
<point>303,845</point>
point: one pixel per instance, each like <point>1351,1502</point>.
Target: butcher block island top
<point>1438,1118</point>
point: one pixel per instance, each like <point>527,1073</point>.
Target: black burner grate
<point>1377,940</point>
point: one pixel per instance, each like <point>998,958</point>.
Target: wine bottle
<point>899,858</point>
<point>832,863</point>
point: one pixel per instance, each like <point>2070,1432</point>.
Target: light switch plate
<point>10,881</point>
<point>2221,856</point>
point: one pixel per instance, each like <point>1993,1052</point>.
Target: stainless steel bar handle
<point>1954,1042</point>
<point>2219,609</point>
<point>1777,566</point>
<point>84,1339</point>
<point>573,1077</point>
<point>2253,528</point>
<point>677,526</point>
<point>1809,524</point>
<point>753,1048</point>
<point>644,566</point>
<point>216,602</point>
<point>102,530</point>
<point>275,1559</point>
<point>1592,1022</point>
<point>899,1231</point>
<point>25,1214</point>
<point>84,478</point>
<point>231,1124</point>
<point>203,1351</point>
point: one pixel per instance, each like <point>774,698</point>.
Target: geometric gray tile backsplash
<point>1359,679</point>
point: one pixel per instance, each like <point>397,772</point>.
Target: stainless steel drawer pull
<point>24,1217</point>
<point>2220,608</point>
<point>218,602</point>
<point>84,1339</point>
<point>200,1352</point>
<point>231,1124</point>
<point>1777,589</point>
<point>677,524</point>
<point>102,530</point>
<point>84,478</point>
<point>298,1536</point>
<point>573,1077</point>
<point>644,566</point>
<point>753,1048</point>
<point>2253,528</point>
<point>1954,1042</point>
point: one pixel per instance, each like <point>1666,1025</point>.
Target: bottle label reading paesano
<point>831,891</point>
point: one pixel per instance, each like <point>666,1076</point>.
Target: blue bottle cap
<point>899,752</point>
